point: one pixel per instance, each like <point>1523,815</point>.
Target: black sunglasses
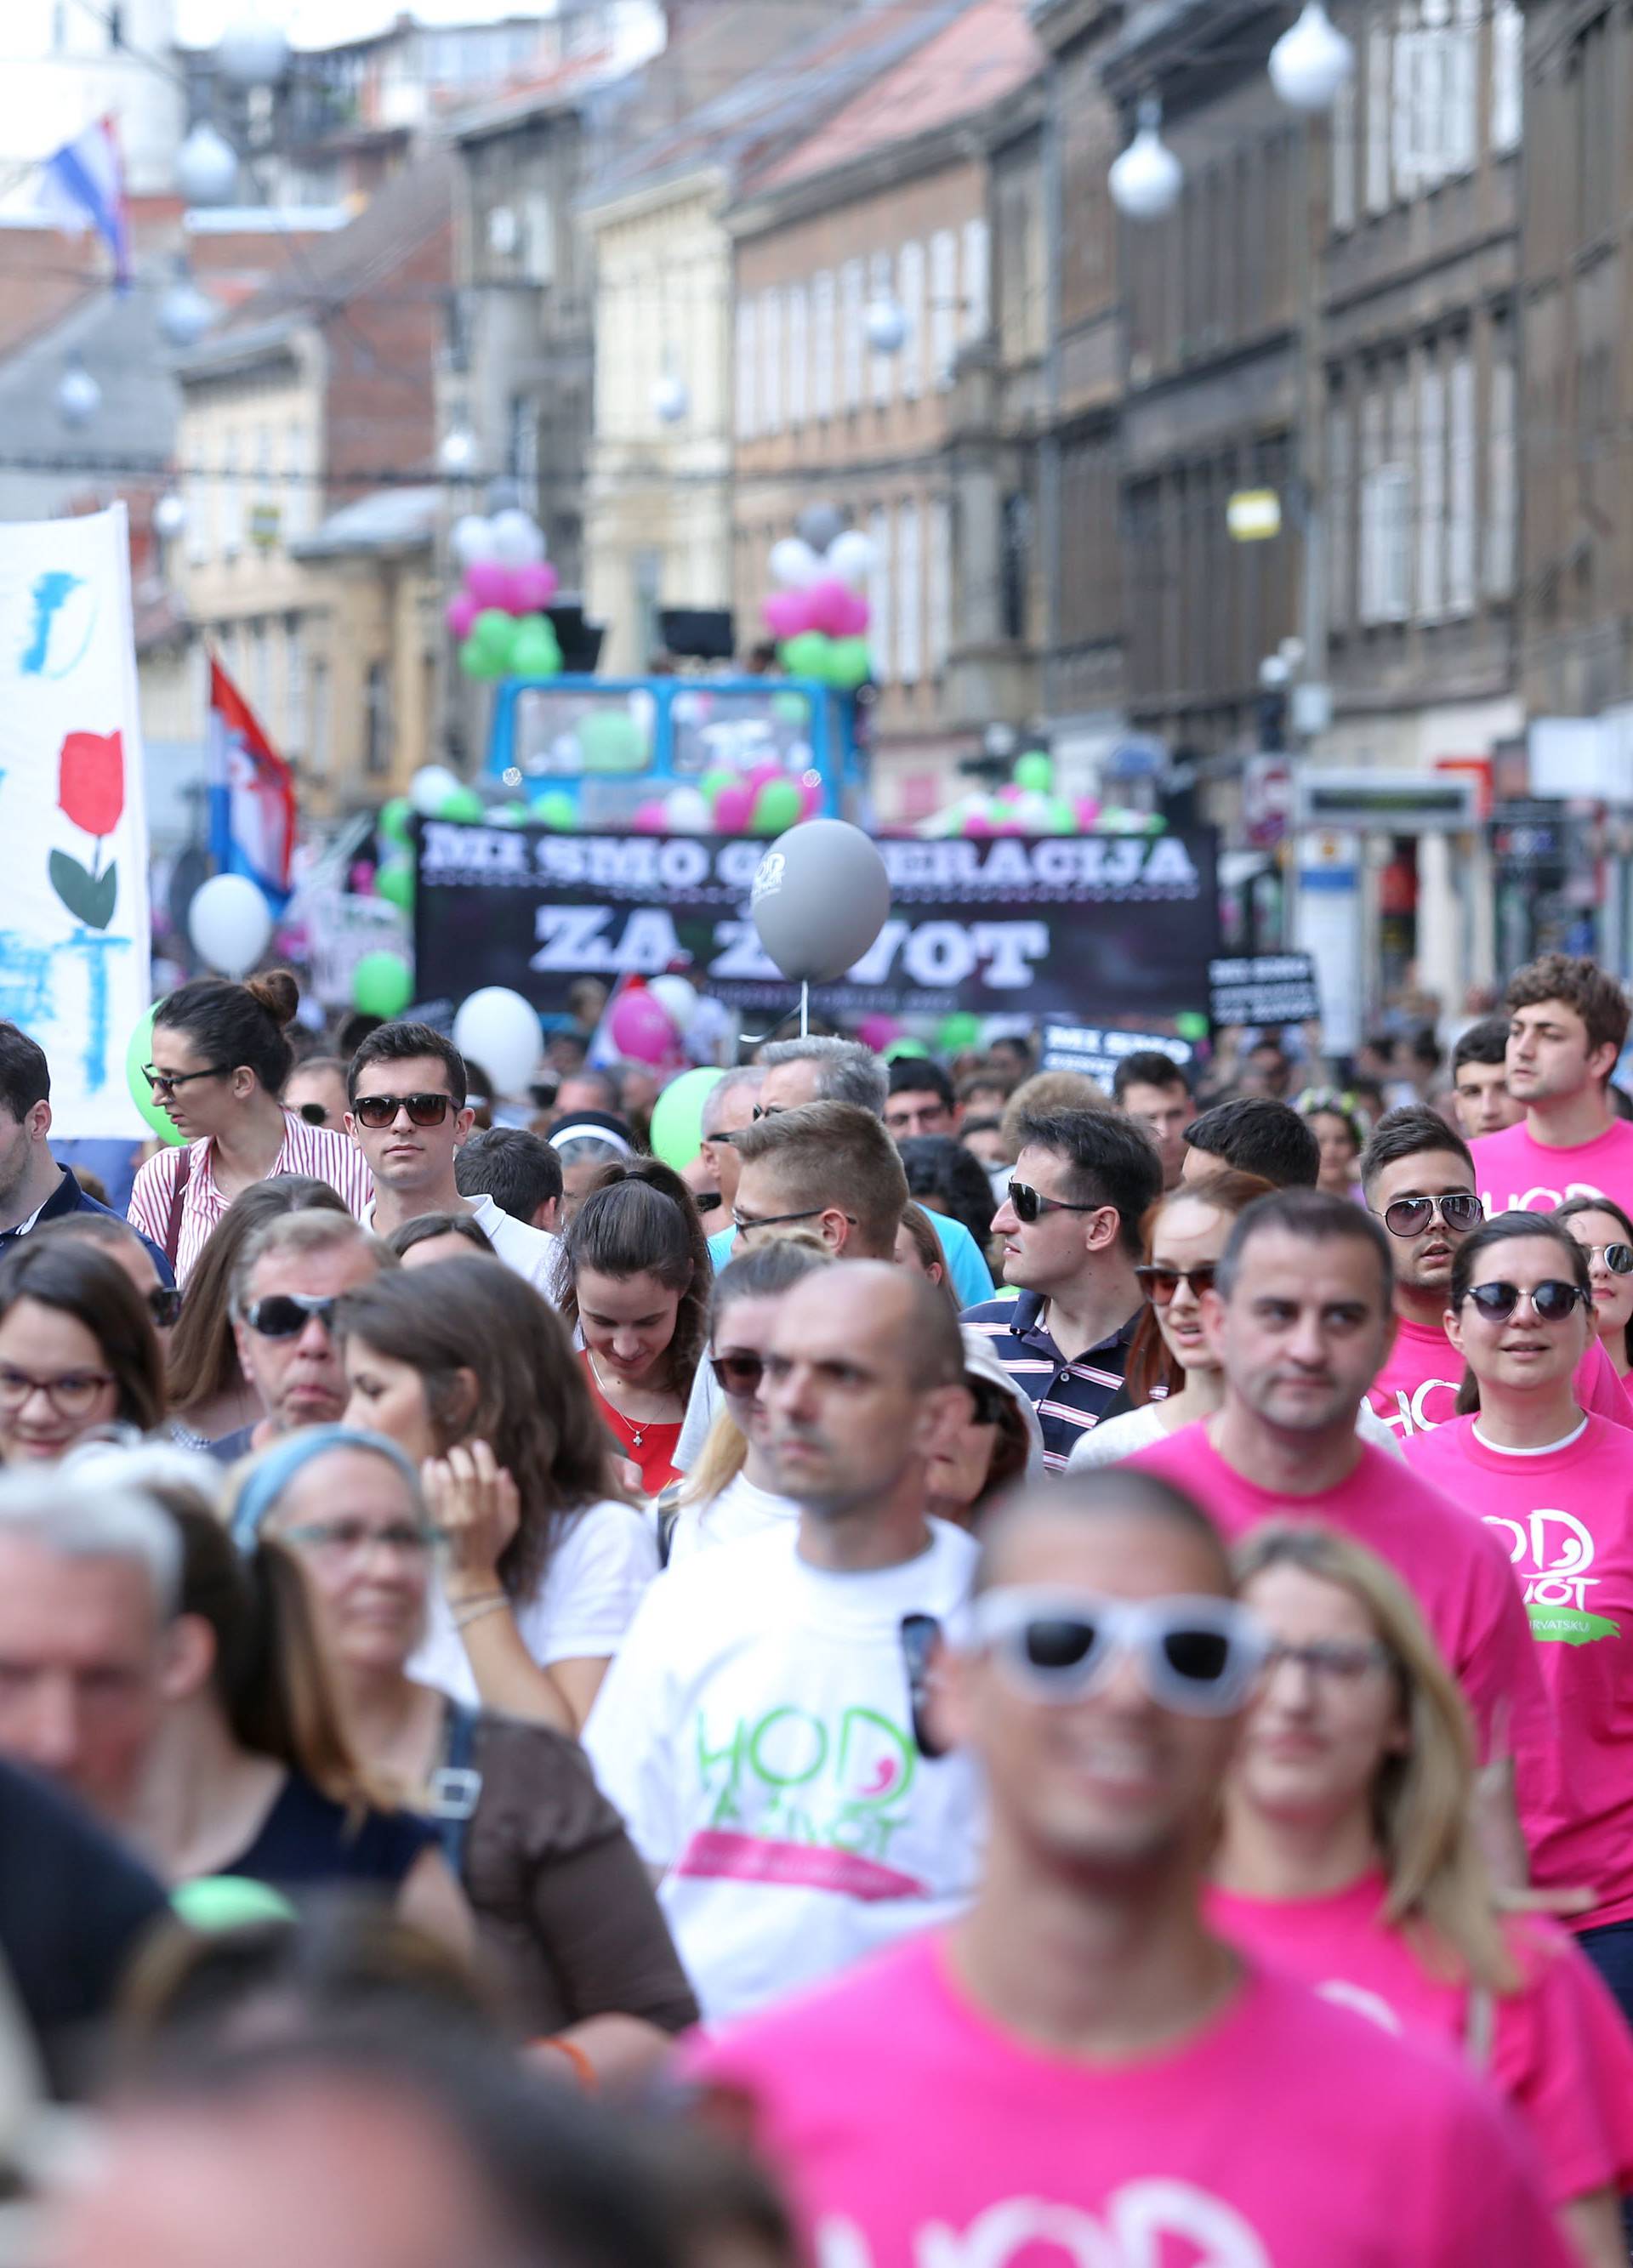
<point>1030,1205</point>
<point>1159,1285</point>
<point>166,1082</point>
<point>285,1314</point>
<point>1552,1300</point>
<point>164,1304</point>
<point>316,1113</point>
<point>737,1373</point>
<point>920,1635</point>
<point>1462,1209</point>
<point>378,1110</point>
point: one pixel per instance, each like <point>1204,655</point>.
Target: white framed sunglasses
<point>1198,1656</point>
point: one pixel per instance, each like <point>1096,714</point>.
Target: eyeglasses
<point>1332,1660</point>
<point>164,1304</point>
<point>768,1110</point>
<point>316,1113</point>
<point>378,1110</point>
<point>285,1314</point>
<point>1199,1657</point>
<point>988,1398</point>
<point>71,1394</point>
<point>708,1200</point>
<point>738,1374</point>
<point>1030,1204</point>
<point>745,1223</point>
<point>349,1539</point>
<point>1551,1302</point>
<point>165,1083</point>
<point>1461,1210</point>
<point>1617,1257</point>
<point>1159,1285</point>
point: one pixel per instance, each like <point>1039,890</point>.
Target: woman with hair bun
<point>220,1059</point>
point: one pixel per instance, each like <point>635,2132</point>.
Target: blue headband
<point>267,1480</point>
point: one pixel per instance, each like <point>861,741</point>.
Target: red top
<point>650,1446</point>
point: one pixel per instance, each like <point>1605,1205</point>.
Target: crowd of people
<point>995,1665</point>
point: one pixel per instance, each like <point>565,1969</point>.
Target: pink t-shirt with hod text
<point>1458,1571</point>
<point>914,2131</point>
<point>1514,1174</point>
<point>1566,1521</point>
<point>1417,1387</point>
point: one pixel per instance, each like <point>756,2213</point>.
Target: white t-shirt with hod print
<point>756,1732</point>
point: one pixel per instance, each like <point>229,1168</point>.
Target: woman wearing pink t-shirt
<point>1349,1858</point>
<point>1555,1484</point>
<point>1606,1235</point>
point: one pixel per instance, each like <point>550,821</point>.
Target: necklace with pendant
<point>638,1434</point>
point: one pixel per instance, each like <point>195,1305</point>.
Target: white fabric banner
<point>75,938</point>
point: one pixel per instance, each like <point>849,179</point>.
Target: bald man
<point>762,1728</point>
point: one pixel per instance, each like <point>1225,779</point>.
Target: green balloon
<point>510,814</point>
<point>462,803</point>
<point>610,740</point>
<point>557,809</point>
<point>223,1901</point>
<point>807,655</point>
<point>713,783</point>
<point>392,826</point>
<point>1034,771</point>
<point>777,807</point>
<point>957,1032</point>
<point>1190,1024</point>
<point>793,708</point>
<point>480,666</point>
<point>850,663</point>
<point>536,650</point>
<point>140,1051</point>
<point>493,635</point>
<point>394,882</point>
<point>1061,819</point>
<point>382,984</point>
<point>676,1134</point>
<point>898,1049</point>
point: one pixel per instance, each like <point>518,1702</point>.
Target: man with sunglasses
<point>408,1115</point>
<point>1083,1182</point>
<point>290,1276</point>
<point>35,1189</point>
<point>763,1727</point>
<point>1077,2067</point>
<point>1417,1175</point>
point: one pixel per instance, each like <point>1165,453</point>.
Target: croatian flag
<point>252,794</point>
<point>84,185</point>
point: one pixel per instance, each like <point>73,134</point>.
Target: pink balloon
<point>651,819</point>
<point>1011,792</point>
<point>733,808</point>
<point>535,585</point>
<point>640,1028</point>
<point>487,583</point>
<point>977,825</point>
<point>762,775</point>
<point>460,613</point>
<point>1088,812</point>
<point>786,614</point>
<point>828,605</point>
<point>852,616</point>
<point>878,1032</point>
<point>360,882</point>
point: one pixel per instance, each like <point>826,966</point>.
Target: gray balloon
<point>819,524</point>
<point>821,897</point>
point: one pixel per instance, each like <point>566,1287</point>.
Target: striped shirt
<point>317,1151</point>
<point>1069,1397</point>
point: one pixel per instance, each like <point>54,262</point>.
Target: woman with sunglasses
<point>132,1252</point>
<point>220,1059</point>
<point>1348,1856</point>
<point>465,1368</point>
<point>213,1404</point>
<point>1606,1235</point>
<point>565,1913</point>
<point>79,1352</point>
<point>1556,1483</point>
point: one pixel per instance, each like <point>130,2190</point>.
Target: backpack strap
<point>456,1786</point>
<point>172,1222</point>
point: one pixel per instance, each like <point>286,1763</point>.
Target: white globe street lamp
<point>252,54</point>
<point>79,396</point>
<point>1146,179</point>
<point>184,314</point>
<point>169,517</point>
<point>885,322</point>
<point>206,166</point>
<point>1312,62</point>
<point>670,401</point>
<point>456,452</point>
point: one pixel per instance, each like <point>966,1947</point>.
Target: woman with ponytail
<point>220,1059</point>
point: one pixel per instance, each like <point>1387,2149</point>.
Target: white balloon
<point>850,557</point>
<point>678,999</point>
<point>471,538</point>
<point>517,538</point>
<point>499,1030</point>
<point>687,809</point>
<point>230,924</point>
<point>430,789</point>
<point>793,564</point>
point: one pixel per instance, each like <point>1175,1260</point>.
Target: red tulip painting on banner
<point>91,792</point>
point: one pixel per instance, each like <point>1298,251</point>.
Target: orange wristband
<point>584,2070</point>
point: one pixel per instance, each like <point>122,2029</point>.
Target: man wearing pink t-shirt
<point>1568,1023</point>
<point>1077,2067</point>
<point>1300,1318</point>
<point>1418,1178</point>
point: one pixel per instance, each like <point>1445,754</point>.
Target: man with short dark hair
<point>316,1090</point>
<point>761,1728</point>
<point>1567,1025</point>
<point>519,1170</point>
<point>1082,1183</point>
<point>921,1099</point>
<point>1154,1092</point>
<point>35,1189</point>
<point>1300,1317</point>
<point>409,1117</point>
<point>584,1090</point>
<point>1252,1135</point>
<point>1480,1079</point>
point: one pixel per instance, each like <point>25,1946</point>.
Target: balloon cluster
<point>648,1022</point>
<point>817,614</point>
<point>766,800</point>
<point>498,612</point>
<point>1029,805</point>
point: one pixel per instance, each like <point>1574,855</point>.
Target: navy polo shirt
<point>1070,1398</point>
<point>67,1197</point>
